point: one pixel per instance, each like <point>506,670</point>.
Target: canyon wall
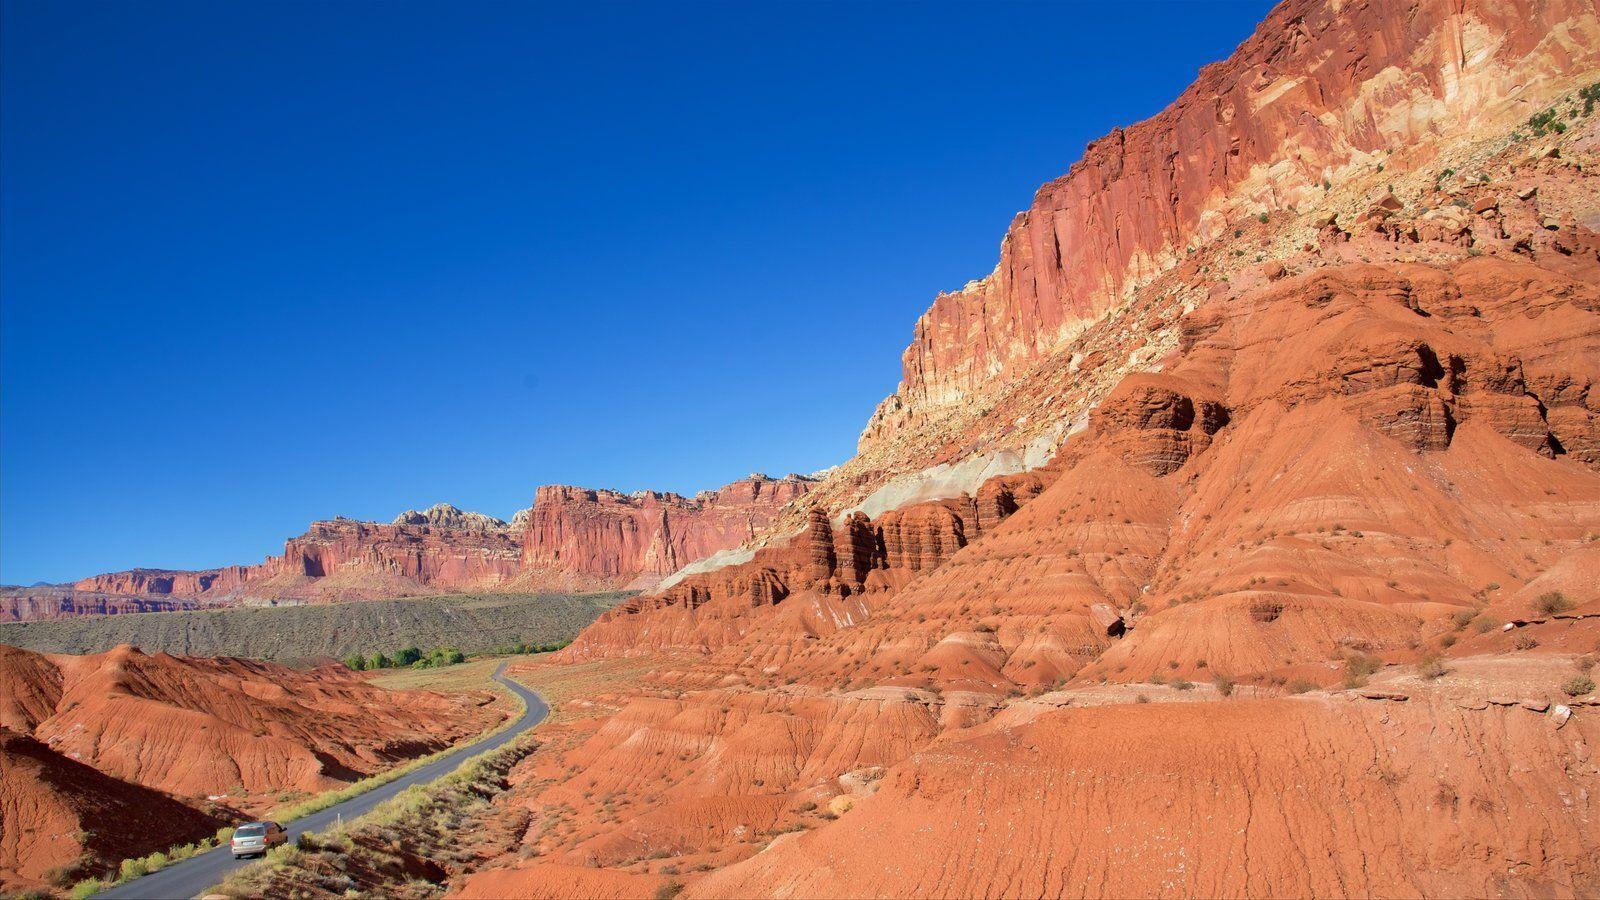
<point>571,539</point>
<point>588,538</point>
<point>23,604</point>
<point>1319,90</point>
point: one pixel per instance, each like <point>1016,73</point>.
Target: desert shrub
<point>1300,686</point>
<point>1553,602</point>
<point>1524,641</point>
<point>133,868</point>
<point>1545,122</point>
<point>1485,624</point>
<point>669,889</point>
<point>1183,684</point>
<point>1430,666</point>
<point>1361,665</point>
<point>85,889</point>
<point>1578,686</point>
<point>1463,618</point>
<point>1224,685</point>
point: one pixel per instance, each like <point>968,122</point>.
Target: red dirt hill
<point>64,820</point>
<point>1301,602</point>
<point>241,730</point>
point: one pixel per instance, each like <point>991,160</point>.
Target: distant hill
<point>290,633</point>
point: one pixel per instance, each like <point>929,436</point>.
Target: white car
<point>256,838</point>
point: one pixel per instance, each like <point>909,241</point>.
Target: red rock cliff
<point>1319,87</point>
<point>572,538</point>
<point>580,537</point>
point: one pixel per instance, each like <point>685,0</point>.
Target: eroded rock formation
<point>572,538</point>
<point>1298,605</point>
<point>587,538</point>
<point>122,753</point>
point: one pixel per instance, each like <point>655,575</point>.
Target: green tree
<point>379,661</point>
<point>407,656</point>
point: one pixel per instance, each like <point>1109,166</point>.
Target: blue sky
<point>267,263</point>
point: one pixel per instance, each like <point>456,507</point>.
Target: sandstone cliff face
<point>343,559</point>
<point>165,582</point>
<point>591,538</point>
<point>443,515</point>
<point>20,604</point>
<point>926,697</point>
<point>1412,377</point>
<point>1318,91</point>
<point>1305,478</point>
<point>571,539</point>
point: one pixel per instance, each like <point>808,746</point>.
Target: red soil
<point>237,730</point>
<point>1315,453</point>
<point>64,820</point>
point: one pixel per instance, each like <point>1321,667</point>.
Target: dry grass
<point>559,684</point>
<point>472,675</point>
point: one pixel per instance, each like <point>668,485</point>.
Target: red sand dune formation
<point>188,744</point>
<point>571,539</point>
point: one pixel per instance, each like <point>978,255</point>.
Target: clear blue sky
<point>272,262</point>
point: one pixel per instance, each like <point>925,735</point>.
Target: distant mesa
<point>572,538</point>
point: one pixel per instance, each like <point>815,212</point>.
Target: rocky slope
<point>237,730</point>
<point>572,538</point>
<point>186,742</point>
<point>61,817</point>
<point>1312,356</point>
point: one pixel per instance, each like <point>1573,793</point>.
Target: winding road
<point>194,875</point>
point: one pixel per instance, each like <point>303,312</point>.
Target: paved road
<point>194,875</point>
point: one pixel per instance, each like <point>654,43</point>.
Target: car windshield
<point>250,831</point>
